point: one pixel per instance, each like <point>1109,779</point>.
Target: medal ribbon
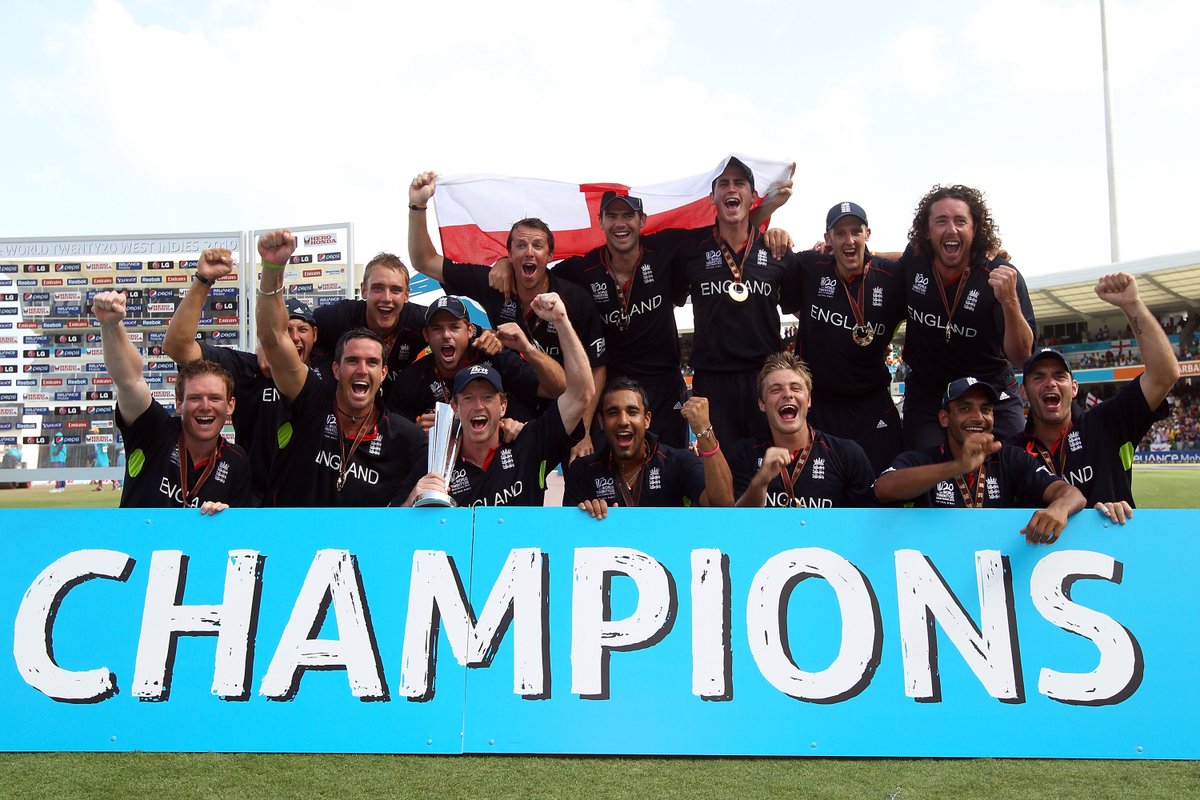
<point>858,308</point>
<point>631,494</point>
<point>951,308</point>
<point>213,458</point>
<point>624,292</point>
<point>736,268</point>
<point>965,491</point>
<point>344,466</point>
<point>1061,467</point>
<point>801,459</point>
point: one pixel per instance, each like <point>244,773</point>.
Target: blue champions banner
<point>502,630</point>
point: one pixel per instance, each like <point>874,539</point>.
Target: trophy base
<point>434,499</point>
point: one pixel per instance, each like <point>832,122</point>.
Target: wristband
<point>412,207</point>
<point>261,293</point>
<point>196,276</point>
<point>706,453</point>
<point>704,432</point>
<point>277,267</point>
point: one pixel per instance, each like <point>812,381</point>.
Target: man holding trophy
<point>484,473</point>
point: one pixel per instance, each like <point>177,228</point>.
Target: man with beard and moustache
<point>630,281</point>
<point>527,372</point>
<point>487,473</point>
<point>1093,449</point>
<point>734,284</point>
<point>340,447</point>
<point>384,310</point>
<point>848,303</point>
<point>973,469</point>
<point>530,248</point>
<point>259,408</point>
<point>637,469</point>
<point>967,315</point>
<point>173,461</point>
<point>796,465</point>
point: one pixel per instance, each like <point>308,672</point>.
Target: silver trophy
<point>443,452</point>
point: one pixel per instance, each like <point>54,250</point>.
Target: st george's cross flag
<point>475,212</point>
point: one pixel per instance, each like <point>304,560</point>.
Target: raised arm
<point>121,358</point>
<point>905,483</point>
<point>773,200</point>
<point>552,380</point>
<point>270,314</point>
<point>573,402</point>
<point>718,481</point>
<point>1018,336</point>
<point>1162,368</point>
<point>180,342</point>
<point>424,256</point>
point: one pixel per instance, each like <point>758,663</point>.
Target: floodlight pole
<point>1114,247</point>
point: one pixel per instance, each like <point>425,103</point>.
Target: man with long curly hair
<point>968,314</point>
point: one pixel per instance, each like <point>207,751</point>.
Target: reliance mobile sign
<point>828,632</point>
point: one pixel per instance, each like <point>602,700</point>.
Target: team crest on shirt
<point>828,285</point>
<point>374,447</point>
<point>654,479</point>
<point>972,299</point>
<point>877,297</point>
<point>222,472</point>
<point>818,469</point>
<point>713,260</point>
<point>647,274</point>
<point>600,291</point>
<point>403,352</point>
<point>920,284</point>
<point>762,258</point>
<point>945,493</point>
<point>1074,442</point>
<point>993,489</point>
<point>506,459</point>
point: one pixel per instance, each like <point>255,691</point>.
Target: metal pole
<point>1114,247</point>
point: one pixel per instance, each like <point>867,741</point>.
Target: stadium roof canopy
<point>1165,283</point>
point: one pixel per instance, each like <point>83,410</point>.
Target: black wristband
<point>411,207</point>
<point>196,276</point>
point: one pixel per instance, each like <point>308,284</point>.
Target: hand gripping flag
<point>475,212</point>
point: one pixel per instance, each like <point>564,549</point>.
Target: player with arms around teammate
<point>488,473</point>
<point>173,461</point>
<point>973,469</point>
<point>340,447</point>
<point>798,465</point>
<point>1093,449</point>
<point>636,469</point>
<point>967,314</point>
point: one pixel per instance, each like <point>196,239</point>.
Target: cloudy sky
<point>144,116</point>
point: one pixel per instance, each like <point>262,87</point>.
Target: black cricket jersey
<point>670,478</point>
<point>1012,479</point>
<point>472,280</point>
<point>824,302</point>
<point>385,466</point>
<point>419,386</point>
<point>152,465</point>
<point>335,319</point>
<point>1096,454</point>
<point>515,473</point>
<point>837,474</point>
<point>976,345</point>
<point>730,336</point>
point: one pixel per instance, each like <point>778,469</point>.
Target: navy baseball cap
<point>477,372</point>
<point>298,309</point>
<point>610,197</point>
<point>1046,352</point>
<point>448,303</point>
<point>956,389</point>
<point>846,209</point>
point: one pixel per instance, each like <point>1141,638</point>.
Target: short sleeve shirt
<point>1096,455</point>
<point>670,477</point>
<point>152,466</point>
<point>837,474</point>
<point>1012,479</point>
<point>385,466</point>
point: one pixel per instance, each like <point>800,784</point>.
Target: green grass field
<point>211,775</point>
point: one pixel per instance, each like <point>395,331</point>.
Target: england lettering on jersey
<point>643,307</point>
<point>357,471</point>
<point>839,320</point>
<point>716,288</point>
<point>935,321</point>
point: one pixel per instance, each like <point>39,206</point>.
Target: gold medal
<point>862,335</point>
<point>737,292</point>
